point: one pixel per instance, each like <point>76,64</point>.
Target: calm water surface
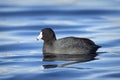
<point>21,55</point>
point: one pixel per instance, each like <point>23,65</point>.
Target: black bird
<point>67,45</point>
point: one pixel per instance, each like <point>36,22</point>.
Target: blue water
<point>21,55</point>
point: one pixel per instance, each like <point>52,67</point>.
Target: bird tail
<point>99,46</point>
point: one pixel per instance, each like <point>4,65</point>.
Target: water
<point>21,55</point>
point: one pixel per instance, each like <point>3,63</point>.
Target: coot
<point>67,45</point>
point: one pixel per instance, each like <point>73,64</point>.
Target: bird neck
<point>50,41</point>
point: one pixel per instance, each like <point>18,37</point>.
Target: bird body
<point>67,45</point>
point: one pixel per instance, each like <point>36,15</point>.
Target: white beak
<point>40,36</point>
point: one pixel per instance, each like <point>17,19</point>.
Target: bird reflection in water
<point>71,59</point>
